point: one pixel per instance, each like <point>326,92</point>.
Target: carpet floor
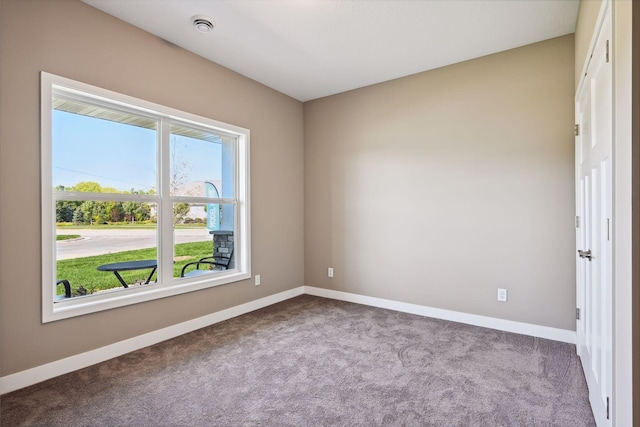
<point>312,361</point>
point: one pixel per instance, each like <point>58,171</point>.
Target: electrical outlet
<point>330,272</point>
<point>257,280</point>
<point>502,295</point>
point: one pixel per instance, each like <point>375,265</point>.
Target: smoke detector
<point>204,24</point>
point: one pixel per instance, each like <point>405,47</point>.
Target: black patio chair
<point>221,259</point>
<point>210,263</point>
<point>67,287</point>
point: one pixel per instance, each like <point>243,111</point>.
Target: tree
<point>178,178</point>
<point>180,212</point>
<point>87,187</point>
<point>78,216</point>
<point>143,212</point>
<point>130,209</point>
<point>116,212</point>
<point>91,187</point>
<point>91,211</point>
<point>101,212</point>
<point>179,168</point>
<point>65,210</point>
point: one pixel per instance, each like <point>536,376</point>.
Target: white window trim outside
<point>167,285</point>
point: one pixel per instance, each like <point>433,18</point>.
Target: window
<point>139,201</point>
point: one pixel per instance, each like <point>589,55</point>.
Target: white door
<point>593,238</point>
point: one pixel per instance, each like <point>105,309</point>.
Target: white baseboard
<point>555,334</point>
<point>69,364</point>
<point>63,366</point>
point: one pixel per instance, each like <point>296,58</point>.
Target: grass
<point>67,236</point>
<point>82,271</point>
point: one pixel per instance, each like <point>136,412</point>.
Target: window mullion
<point>193,199</point>
<point>119,197</point>
<point>165,217</point>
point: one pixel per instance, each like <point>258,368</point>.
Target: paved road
<point>104,241</point>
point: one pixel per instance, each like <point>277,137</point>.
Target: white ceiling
<point>313,48</point>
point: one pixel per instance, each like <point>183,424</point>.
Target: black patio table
<point>116,267</point>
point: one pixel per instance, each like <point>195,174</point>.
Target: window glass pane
<point>102,238</point>
<point>101,150</point>
<point>204,240</point>
<point>202,163</point>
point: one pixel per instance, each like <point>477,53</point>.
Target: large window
<point>139,201</point>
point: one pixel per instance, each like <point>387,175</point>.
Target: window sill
<point>77,306</point>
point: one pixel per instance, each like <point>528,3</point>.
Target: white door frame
<point>622,177</point>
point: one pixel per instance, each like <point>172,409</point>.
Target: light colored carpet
<point>316,362</point>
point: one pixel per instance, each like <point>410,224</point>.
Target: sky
<point>122,156</point>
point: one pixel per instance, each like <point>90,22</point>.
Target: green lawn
<point>82,271</point>
<point>67,236</point>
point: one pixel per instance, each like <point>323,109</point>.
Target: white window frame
<point>166,285</point>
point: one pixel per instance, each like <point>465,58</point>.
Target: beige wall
<point>69,38</point>
<point>585,26</point>
<point>438,188</point>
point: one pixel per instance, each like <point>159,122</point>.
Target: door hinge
<point>577,314</point>
<point>577,221</point>
<point>576,130</point>
<point>608,413</point>
<point>607,54</point>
